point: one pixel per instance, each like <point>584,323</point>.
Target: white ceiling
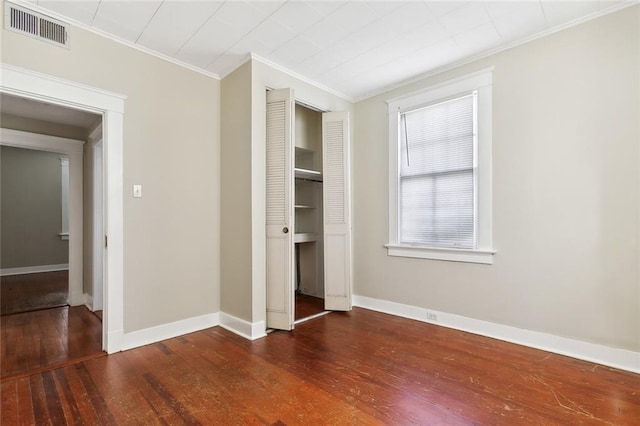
<point>353,47</point>
<point>28,108</point>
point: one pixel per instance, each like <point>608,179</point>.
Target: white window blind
<point>437,171</point>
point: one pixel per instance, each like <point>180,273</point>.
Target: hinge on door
<point>105,241</point>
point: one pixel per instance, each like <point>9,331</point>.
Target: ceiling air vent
<point>37,25</point>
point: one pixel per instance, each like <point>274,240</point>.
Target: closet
<point>307,203</point>
<point>308,227</point>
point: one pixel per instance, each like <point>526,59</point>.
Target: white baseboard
<point>33,269</point>
<point>75,298</point>
<point>613,357</point>
<point>162,332</point>
<point>87,301</point>
<point>246,329</point>
<point>114,340</point>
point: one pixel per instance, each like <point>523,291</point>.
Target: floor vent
<point>36,25</point>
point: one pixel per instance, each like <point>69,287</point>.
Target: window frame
<point>480,82</point>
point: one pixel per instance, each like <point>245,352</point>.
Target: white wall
<point>566,169</point>
<point>171,147</point>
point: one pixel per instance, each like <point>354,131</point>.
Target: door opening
<point>307,190</point>
<point>308,214</point>
<point>55,91</point>
<point>35,249</point>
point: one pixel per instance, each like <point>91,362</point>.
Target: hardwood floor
<point>360,367</point>
<point>306,306</point>
<point>41,340</point>
<point>30,292</point>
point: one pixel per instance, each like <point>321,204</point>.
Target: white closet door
<point>279,214</point>
<point>337,211</point>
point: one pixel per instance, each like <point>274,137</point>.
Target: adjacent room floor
<point>360,367</point>
<point>30,292</point>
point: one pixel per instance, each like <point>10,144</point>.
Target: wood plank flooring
<point>30,292</point>
<point>307,306</point>
<point>360,367</point>
<point>41,340</point>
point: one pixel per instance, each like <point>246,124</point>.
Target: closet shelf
<point>305,237</point>
<point>301,206</point>
<point>308,174</point>
<point>301,149</point>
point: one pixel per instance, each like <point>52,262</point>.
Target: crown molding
<point>353,99</point>
<point>496,50</point>
<point>111,37</point>
<point>300,77</point>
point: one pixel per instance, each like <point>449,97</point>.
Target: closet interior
<point>308,219</point>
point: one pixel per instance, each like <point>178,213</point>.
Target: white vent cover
<point>36,25</point>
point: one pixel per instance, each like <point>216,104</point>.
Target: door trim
<point>97,270</point>
<point>45,88</point>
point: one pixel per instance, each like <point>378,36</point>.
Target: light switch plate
<point>137,191</point>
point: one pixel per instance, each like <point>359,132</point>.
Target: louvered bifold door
<point>279,209</point>
<point>337,211</point>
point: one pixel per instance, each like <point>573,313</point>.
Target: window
<point>440,172</point>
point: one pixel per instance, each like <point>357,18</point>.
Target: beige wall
<point>566,160</point>
<point>171,147</point>
<point>31,209</point>
<point>235,291</point>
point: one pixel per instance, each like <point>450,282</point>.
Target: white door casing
<point>98,226</point>
<point>279,209</point>
<point>338,281</point>
<point>42,87</point>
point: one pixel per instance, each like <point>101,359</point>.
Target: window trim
<point>481,82</point>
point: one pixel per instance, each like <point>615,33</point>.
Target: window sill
<point>438,253</point>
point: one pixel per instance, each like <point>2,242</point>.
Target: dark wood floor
<point>40,340</point>
<point>307,306</point>
<point>360,367</point>
<point>30,292</point>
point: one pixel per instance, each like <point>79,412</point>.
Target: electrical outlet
<point>432,317</point>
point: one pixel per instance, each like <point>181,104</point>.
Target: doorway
<point>308,230</point>
<point>32,85</point>
<point>65,332</point>
<point>308,214</point>
<point>33,232</point>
